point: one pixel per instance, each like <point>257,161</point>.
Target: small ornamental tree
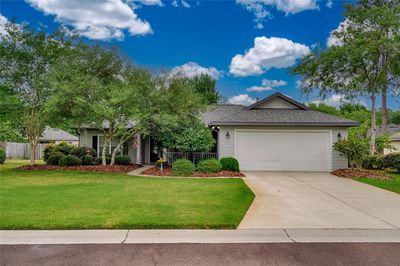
<point>26,58</point>
<point>189,136</point>
<point>355,147</point>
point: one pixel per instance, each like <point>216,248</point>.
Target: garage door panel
<point>283,151</point>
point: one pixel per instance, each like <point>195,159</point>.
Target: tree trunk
<point>114,153</point>
<point>33,136</point>
<point>104,152</point>
<point>372,147</point>
<point>32,152</point>
<point>384,109</point>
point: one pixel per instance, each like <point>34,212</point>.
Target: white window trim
<point>109,146</point>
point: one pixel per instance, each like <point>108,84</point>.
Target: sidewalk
<point>15,237</point>
<point>137,172</point>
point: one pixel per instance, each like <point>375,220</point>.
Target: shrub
<point>209,166</point>
<point>47,151</point>
<point>54,158</point>
<point>70,160</point>
<point>389,159</point>
<point>396,164</point>
<point>373,162</point>
<point>2,156</point>
<point>229,163</point>
<point>64,148</point>
<point>183,168</point>
<point>82,151</point>
<point>122,160</point>
<point>98,160</point>
<point>87,160</point>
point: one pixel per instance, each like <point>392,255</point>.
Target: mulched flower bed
<point>84,168</point>
<point>155,171</point>
<point>361,173</point>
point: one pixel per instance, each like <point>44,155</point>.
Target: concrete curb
<point>18,237</point>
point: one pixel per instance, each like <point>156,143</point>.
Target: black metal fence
<point>195,157</point>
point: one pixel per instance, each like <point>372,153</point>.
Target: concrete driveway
<point>318,200</point>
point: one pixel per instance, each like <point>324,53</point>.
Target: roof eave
<point>342,124</point>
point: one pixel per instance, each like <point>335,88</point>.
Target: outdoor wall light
<point>227,134</point>
<point>339,136</point>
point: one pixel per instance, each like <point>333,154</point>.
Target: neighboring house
<point>393,131</point>
<point>56,136</point>
<point>274,134</point>
<point>395,142</point>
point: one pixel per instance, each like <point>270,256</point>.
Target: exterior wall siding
<point>226,146</point>
<point>85,140</point>
<point>85,136</point>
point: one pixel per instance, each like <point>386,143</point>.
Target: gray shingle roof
<point>283,117</point>
<point>216,113</point>
<point>51,134</point>
<point>395,136</point>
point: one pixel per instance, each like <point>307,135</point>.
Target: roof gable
<point>277,101</point>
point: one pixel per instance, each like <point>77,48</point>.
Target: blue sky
<point>217,37</point>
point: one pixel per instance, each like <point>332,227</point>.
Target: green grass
<point>392,185</point>
<point>78,200</point>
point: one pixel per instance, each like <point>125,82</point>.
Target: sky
<point>248,46</point>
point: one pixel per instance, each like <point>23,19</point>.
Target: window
<point>111,146</point>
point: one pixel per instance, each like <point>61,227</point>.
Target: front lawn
<point>392,184</point>
<point>82,200</point>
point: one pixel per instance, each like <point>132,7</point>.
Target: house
<point>273,134</point>
<point>56,136</point>
<point>393,131</point>
<point>395,142</point>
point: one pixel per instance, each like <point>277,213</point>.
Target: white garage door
<point>283,150</point>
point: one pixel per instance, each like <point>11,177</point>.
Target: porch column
<point>139,149</point>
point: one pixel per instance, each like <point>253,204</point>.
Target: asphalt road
<point>203,254</point>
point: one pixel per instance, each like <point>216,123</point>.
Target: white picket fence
<point>16,150</point>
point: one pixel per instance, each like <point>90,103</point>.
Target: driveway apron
<point>318,200</point>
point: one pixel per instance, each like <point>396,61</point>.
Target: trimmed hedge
<point>98,160</point>
<point>183,168</point>
<point>63,147</point>
<point>209,166</point>
<point>373,162</point>
<point>230,163</point>
<point>70,160</point>
<point>396,164</point>
<point>87,160</point>
<point>389,160</point>
<point>2,156</point>
<point>82,151</point>
<point>122,160</point>
<point>54,158</point>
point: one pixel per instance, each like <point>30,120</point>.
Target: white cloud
<point>3,22</point>
<point>150,2</point>
<point>334,100</point>
<point>273,83</point>
<point>260,7</point>
<point>299,83</point>
<point>332,39</point>
<point>98,20</point>
<point>267,85</point>
<point>243,99</point>
<point>267,53</point>
<point>184,3</point>
<point>192,69</point>
<point>258,89</point>
<point>329,3</point>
